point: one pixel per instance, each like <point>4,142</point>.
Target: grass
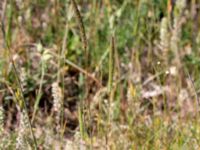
<point>107,74</point>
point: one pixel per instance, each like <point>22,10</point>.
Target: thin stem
<point>7,47</point>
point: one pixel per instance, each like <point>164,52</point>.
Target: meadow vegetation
<point>99,74</point>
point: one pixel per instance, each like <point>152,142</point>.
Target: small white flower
<point>39,47</point>
<point>173,71</point>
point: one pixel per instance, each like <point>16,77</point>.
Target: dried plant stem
<point>89,75</point>
<point>110,84</point>
<point>111,64</point>
<point>196,94</point>
<point>60,77</point>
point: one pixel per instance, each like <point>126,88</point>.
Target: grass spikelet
<point>57,105</point>
<point>180,6</point>
<point>177,27</point>
<point>164,34</point>
<point>81,25</point>
<point>48,141</point>
<point>175,35</point>
<point>21,143</point>
<point>23,79</point>
<point>24,123</point>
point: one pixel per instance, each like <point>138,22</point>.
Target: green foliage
<point>132,94</point>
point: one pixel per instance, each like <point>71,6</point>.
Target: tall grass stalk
<point>7,43</point>
<point>84,41</point>
<point>81,26</point>
<point>111,64</point>
<point>60,77</point>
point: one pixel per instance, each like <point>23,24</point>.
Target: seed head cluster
<point>23,79</point>
<point>57,99</point>
<point>22,133</point>
<point>164,36</point>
